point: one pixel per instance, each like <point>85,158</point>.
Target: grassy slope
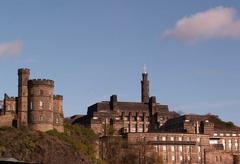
<point>75,145</point>
<point>222,125</point>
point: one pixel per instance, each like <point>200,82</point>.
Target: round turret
<point>41,104</point>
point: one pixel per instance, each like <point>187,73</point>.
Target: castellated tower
<point>22,110</point>
<point>58,113</point>
<point>35,107</point>
<point>40,104</point>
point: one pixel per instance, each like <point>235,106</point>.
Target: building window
<point>163,138</point>
<point>180,158</point>
<point>164,156</point>
<point>57,120</point>
<point>180,148</point>
<point>187,148</point>
<point>41,118</point>
<point>180,138</point>
<point>41,92</point>
<point>41,105</point>
<point>173,158</point>
<point>164,148</point>
<point>198,139</point>
<point>95,118</point>
<point>49,106</point>
<point>172,148</point>
<point>172,138</point>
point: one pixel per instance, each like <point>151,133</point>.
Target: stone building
<point>35,107</point>
<point>126,117</point>
<point>151,128</point>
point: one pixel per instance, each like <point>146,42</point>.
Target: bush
<point>80,138</point>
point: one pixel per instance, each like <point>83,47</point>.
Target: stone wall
<point>218,157</point>
<point>6,121</point>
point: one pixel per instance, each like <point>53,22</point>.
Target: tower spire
<point>145,86</point>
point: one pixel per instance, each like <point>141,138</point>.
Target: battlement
<point>57,97</point>
<point>10,98</point>
<point>23,71</point>
<point>6,97</point>
<point>41,82</point>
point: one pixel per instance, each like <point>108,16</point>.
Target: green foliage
<point>80,138</point>
<point>2,149</point>
<point>220,124</point>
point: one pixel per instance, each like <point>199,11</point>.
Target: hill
<point>75,145</point>
<point>219,124</point>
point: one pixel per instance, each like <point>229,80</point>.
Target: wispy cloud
<point>219,22</point>
<point>13,48</point>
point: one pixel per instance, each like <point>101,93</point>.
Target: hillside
<point>74,146</point>
<point>219,124</point>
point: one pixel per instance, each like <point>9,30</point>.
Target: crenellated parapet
<point>41,82</point>
<point>9,98</point>
<point>57,97</point>
<point>23,71</point>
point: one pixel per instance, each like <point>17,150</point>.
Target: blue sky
<point>93,49</point>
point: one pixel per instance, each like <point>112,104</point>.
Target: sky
<point>94,49</point>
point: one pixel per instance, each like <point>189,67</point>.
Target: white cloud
<point>219,22</point>
<point>13,48</point>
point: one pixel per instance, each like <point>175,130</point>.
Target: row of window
<point>226,134</point>
<point>41,92</point>
<point>179,148</point>
<point>167,156</point>
<point>9,108</point>
<point>231,145</point>
<point>135,118</point>
<point>179,138</point>
<point>43,118</point>
<point>42,105</point>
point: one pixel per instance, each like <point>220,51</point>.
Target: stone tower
<point>41,104</point>
<point>22,110</point>
<point>58,116</point>
<point>145,87</point>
